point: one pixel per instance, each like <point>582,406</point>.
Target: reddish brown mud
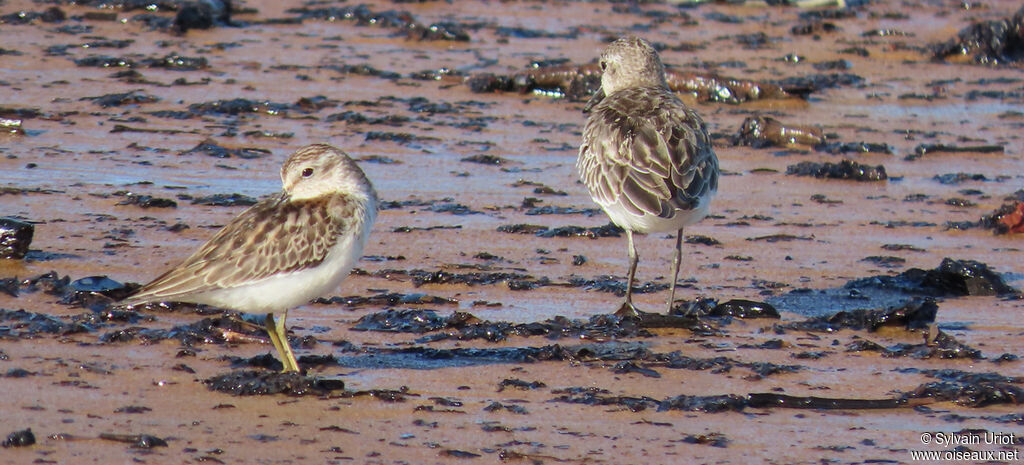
<point>128,138</point>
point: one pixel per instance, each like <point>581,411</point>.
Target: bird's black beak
<point>594,100</point>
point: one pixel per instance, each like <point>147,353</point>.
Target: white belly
<point>653,223</point>
<point>296,288</point>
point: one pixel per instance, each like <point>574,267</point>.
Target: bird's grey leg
<point>627,308</point>
<point>675,269</point>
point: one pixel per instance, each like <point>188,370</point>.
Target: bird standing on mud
<point>283,251</point>
<point>646,157</point>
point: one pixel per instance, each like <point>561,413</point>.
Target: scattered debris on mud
<point>764,131</point>
<point>1008,219</point>
<point>995,42</point>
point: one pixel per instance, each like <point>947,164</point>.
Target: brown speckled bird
<point>283,251</point>
<point>646,157</point>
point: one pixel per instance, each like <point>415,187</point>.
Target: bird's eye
<point>603,65</point>
<point>307,172</point>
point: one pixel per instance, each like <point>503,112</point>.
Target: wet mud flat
<point>857,283</point>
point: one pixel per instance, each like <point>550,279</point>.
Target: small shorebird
<point>646,158</point>
<point>283,251</point>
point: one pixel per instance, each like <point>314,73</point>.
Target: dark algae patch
<point>608,230</point>
<point>846,169</point>
<point>23,438</point>
<point>1007,219</point>
<point>15,238</point>
<point>915,315</point>
<point>936,344</point>
<point>21,324</point>
<point>993,42</point>
<point>256,382</point>
<point>210,147</point>
<point>968,394</point>
<point>135,441</point>
<point>952,278</point>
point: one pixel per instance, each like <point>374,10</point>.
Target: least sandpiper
<point>646,157</point>
<point>283,251</point>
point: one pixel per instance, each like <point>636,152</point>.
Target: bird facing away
<point>646,157</point>
<point>284,251</point>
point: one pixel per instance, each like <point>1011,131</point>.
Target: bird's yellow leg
<point>279,336</point>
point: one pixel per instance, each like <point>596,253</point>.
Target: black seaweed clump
<point>388,299</point>
<point>211,148</point>
<point>484,159</point>
<point>952,278</point>
<point>171,61</point>
<point>257,382</point>
<point>397,137</point>
<point>50,15</point>
<point>222,200</point>
<point>420,277</point>
<point>520,384</point>
<point>1007,219</point>
<point>553,210</point>
<point>136,441</point>
<point>93,292</point>
<point>202,15</point>
<point>238,106</point>
<point>218,329</point>
<point>837,148</point>
<point>608,230</point>
<point>18,324</point>
<point>15,238</point>
<point>923,149</point>
<point>608,283</point>
<point>126,98</point>
<point>465,326</point>
<point>354,117</point>
<point>979,394</point>
<point>969,394</point>
<point>990,42</point>
<point>805,85</point>
<point>404,22</point>
<point>147,201</point>
<point>406,321</point>
<point>917,314</point>
<point>952,179</point>
<point>740,308</point>
<point>937,344</point>
<point>845,169</point>
<point>21,438</point>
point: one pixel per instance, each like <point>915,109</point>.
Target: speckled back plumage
<point>646,158</point>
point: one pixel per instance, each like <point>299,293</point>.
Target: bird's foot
<point>627,310</point>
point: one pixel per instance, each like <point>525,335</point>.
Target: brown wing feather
<point>273,236</point>
<point>644,143</point>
